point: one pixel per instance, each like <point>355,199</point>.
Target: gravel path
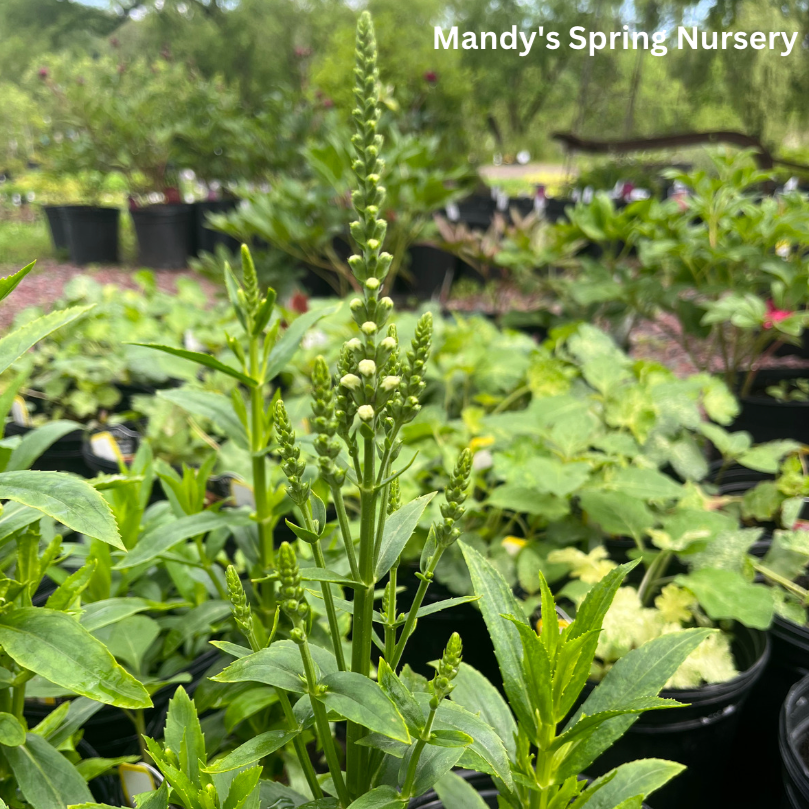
<point>45,283</point>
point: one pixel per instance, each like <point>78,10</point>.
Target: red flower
<point>774,315</point>
<point>43,73</point>
<point>302,53</point>
<point>431,77</point>
<point>328,103</point>
<point>299,303</point>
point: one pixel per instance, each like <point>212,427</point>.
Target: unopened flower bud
<point>367,367</point>
<point>390,383</point>
<point>369,327</point>
<point>365,412</point>
<point>351,381</point>
<point>355,304</point>
<point>372,283</point>
<point>354,344</point>
<point>389,343</point>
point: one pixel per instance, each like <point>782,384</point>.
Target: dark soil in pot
<point>110,731</point>
<point>64,455</point>
<point>92,234</point>
<point>58,231</point>
<point>793,744</point>
<point>166,235</point>
<point>768,419</point>
<point>428,641</point>
<point>206,239</point>
<point>757,741</point>
<point>700,736</point>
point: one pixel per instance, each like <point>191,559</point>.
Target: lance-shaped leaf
<point>111,610</point>
<point>496,600</point>
<point>17,342</point>
<point>361,700</point>
<point>279,665</point>
<point>68,499</point>
<point>398,529</point>
<point>201,358</point>
<point>251,751</point>
<point>384,797</point>
<point>55,646</point>
<point>45,777</point>
<point>10,282</point>
<point>641,673</point>
<point>12,733</point>
<point>433,763</point>
<point>457,793</point>
<point>163,538</point>
<point>634,780</point>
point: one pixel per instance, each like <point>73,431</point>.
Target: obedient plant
<point>402,733</point>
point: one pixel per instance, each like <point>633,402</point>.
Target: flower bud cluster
<point>442,684</point>
<point>394,496</point>
<point>290,592</point>
<point>292,464</point>
<point>455,494</point>
<point>238,602</point>
<point>325,424</point>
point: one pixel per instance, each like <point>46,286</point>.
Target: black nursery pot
<point>92,234</point>
<point>700,735</point>
<point>64,455</point>
<point>165,235</point>
<point>793,743</point>
<point>431,271</point>
<point>434,631</point>
<point>767,419</point>
<point>206,239</point>
<point>56,226</point>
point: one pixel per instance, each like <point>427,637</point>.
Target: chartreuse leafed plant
<point>49,641</point>
<point>402,733</point>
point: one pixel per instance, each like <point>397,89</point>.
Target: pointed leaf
<point>213,406</point>
<point>201,358</point>
<point>399,527</point>
<point>34,443</point>
<point>635,779</point>
<point>68,499</point>
<point>252,751</point>
<point>55,646</point>
<point>290,341</point>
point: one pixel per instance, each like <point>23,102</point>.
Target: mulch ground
<point>44,285</point>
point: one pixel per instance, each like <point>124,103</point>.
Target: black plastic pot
<point>64,455</point>
<point>110,732</point>
<point>56,226</point>
<point>431,271</point>
<point>555,208</point>
<point>128,441</point>
<point>793,744</point>
<point>767,419</point>
<point>92,234</point>
<point>700,736</point>
<point>477,211</point>
<point>165,235</point>
<point>207,239</point>
<point>433,631</point>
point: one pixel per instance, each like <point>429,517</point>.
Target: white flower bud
<point>389,343</point>
<point>351,381</point>
<point>389,383</point>
<point>365,412</point>
<point>372,283</point>
<point>355,304</point>
<point>387,302</point>
<point>369,327</point>
<point>367,367</point>
<point>354,344</point>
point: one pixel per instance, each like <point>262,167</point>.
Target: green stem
<point>345,530</point>
<point>410,621</point>
<point>300,747</point>
<point>653,576</point>
<point>208,566</point>
<point>140,727</point>
<point>322,723</point>
<point>390,631</point>
<point>18,700</point>
<point>259,464</point>
<point>412,765</point>
<point>356,756</point>
<point>325,588</point>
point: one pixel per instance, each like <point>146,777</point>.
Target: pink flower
<point>302,53</point>
<point>299,303</point>
<point>774,315</point>
<point>43,73</point>
<point>431,77</point>
<point>328,103</point>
